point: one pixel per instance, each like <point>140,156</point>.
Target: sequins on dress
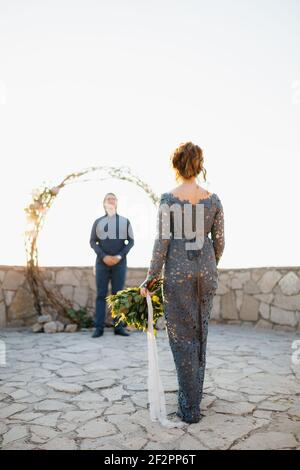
<point>190,281</point>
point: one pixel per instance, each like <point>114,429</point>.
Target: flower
<point>54,191</point>
<point>129,306</point>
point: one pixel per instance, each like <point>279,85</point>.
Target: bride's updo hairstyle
<point>187,161</point>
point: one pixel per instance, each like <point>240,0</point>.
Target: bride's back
<point>192,194</point>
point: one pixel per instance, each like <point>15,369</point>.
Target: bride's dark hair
<point>187,160</point>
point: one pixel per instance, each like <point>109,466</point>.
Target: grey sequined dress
<point>190,281</point>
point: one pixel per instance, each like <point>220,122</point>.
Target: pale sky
<point>123,82</point>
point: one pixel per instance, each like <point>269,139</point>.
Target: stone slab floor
<point>69,391</point>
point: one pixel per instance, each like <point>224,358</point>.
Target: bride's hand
<point>144,291</point>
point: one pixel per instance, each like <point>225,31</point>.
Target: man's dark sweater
<point>109,236</point>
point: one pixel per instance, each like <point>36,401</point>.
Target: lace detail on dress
<point>186,201</point>
<point>217,231</point>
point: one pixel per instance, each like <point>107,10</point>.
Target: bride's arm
<point>161,244</point>
<point>217,232</point>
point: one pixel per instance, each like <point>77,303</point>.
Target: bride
<point>190,277</point>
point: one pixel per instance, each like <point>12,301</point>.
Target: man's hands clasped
<point>110,260</point>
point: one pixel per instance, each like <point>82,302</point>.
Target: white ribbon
<point>156,395</point>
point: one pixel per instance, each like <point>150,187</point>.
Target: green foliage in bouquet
<point>130,306</point>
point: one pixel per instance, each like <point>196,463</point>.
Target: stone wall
<point>263,297</point>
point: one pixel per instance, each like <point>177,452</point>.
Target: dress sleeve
<point>217,231</point>
<point>161,243</point>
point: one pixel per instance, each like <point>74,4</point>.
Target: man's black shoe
<point>98,332</point>
<point>121,331</point>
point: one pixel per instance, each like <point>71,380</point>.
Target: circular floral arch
<point>42,200</point>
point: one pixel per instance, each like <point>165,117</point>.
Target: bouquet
<point>130,306</point>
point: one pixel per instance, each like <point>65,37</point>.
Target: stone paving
<point>69,391</point>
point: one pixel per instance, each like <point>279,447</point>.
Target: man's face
<point>110,203</point>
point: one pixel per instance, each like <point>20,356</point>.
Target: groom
<point>111,239</point>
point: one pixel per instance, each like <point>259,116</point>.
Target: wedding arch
<point>36,211</point>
